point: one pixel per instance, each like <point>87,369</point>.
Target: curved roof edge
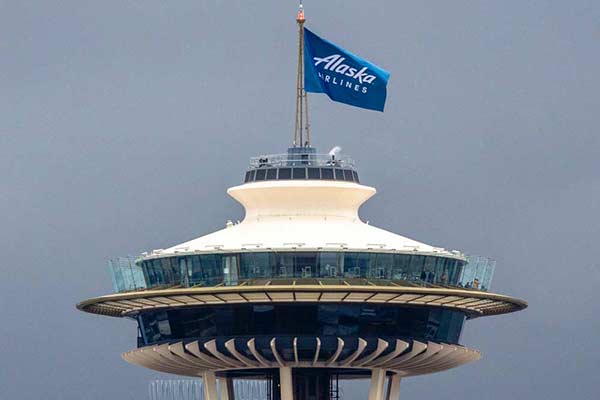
<point>473,303</point>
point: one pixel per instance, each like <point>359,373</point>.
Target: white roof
<point>302,215</point>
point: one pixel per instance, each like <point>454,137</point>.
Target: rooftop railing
<point>291,160</point>
<point>126,275</point>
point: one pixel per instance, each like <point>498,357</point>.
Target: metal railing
<point>311,160</point>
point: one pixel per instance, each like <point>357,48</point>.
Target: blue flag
<point>343,76</point>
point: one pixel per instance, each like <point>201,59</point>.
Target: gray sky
<point>123,123</point>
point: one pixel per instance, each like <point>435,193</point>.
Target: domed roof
<point>303,215</point>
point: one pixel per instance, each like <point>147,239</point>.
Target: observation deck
<point>301,283</point>
<point>302,292</point>
<point>302,163</point>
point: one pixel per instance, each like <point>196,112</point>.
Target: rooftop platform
<point>474,303</point>
<point>301,163</point>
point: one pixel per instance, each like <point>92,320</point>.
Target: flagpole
<point>301,125</point>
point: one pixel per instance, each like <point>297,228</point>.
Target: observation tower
<point>301,293</point>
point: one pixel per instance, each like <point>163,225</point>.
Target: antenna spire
<point>301,126</point>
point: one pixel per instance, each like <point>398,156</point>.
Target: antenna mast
<point>301,126</point>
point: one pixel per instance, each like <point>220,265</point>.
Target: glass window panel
<point>416,271</point>
<point>261,174</point>
<point>314,173</point>
<point>145,271</point>
<point>384,267</point>
<point>330,265</point>
<point>356,265</point>
<point>255,265</point>
<point>195,270</point>
<point>285,265</point>
<point>355,176</point>
<point>372,272</point>
<point>161,265</point>
<point>454,268</point>
<point>156,326</point>
<point>298,173</point>
<point>248,175</point>
<point>445,271</point>
<point>212,270</point>
<point>285,173</point>
<point>401,266</point>
<point>440,275</point>
<point>338,174</point>
<point>348,323</point>
<point>158,272</point>
<point>306,265</point>
<point>347,175</point>
<point>231,271</point>
<point>175,270</point>
<point>150,272</point>
<point>272,174</point>
<point>138,275</point>
<point>429,269</point>
<point>184,272</point>
<point>351,266</point>
<point>327,173</point>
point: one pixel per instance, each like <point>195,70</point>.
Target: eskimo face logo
<point>335,63</point>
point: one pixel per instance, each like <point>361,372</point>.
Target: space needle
<point>301,293</point>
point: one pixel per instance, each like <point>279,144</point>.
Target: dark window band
<point>311,320</point>
<point>313,173</point>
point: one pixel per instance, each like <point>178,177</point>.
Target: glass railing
<point>126,274</point>
<point>478,273</point>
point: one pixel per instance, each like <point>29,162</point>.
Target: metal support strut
<point>209,381</point>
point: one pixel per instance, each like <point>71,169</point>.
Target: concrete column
<point>394,388</point>
<point>209,382</point>
<point>227,392</point>
<point>377,384</point>
<point>286,383</point>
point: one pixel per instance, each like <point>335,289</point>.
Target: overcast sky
<point>123,123</point>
